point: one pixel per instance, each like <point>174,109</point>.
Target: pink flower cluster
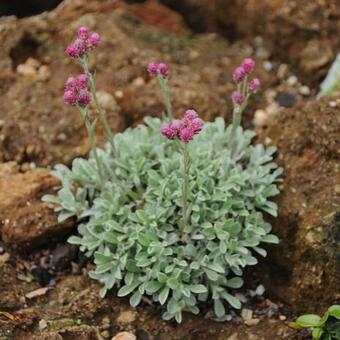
<point>85,41</point>
<point>184,129</point>
<point>158,68</point>
<point>76,91</point>
<point>240,75</point>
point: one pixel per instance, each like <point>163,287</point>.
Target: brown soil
<point>36,129</point>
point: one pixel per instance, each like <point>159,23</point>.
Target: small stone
<point>42,324</point>
<point>282,317</point>
<point>246,314</point>
<point>32,62</point>
<point>252,322</point>
<point>292,80</point>
<point>260,290</point>
<point>124,336</point>
<point>234,336</point>
<point>119,94</point>
<point>44,73</point>
<point>332,103</point>
<point>105,334</point>
<point>138,82</point>
<point>304,90</point>
<point>267,65</point>
<point>26,70</point>
<point>286,99</point>
<point>126,317</point>
<point>260,118</point>
<point>106,100</point>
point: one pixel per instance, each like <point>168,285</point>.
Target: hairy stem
<point>90,127</point>
<point>164,86</point>
<point>185,189</point>
<point>101,113</point>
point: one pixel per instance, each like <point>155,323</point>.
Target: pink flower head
<point>163,69</point>
<point>237,98</point>
<point>70,97</point>
<point>178,125</point>
<point>190,114</point>
<point>83,81</point>
<point>94,40</point>
<point>71,84</point>
<point>196,125</point>
<point>83,32</point>
<point>248,64</point>
<point>168,131</point>
<point>239,74</point>
<point>186,135</point>
<point>152,68</point>
<point>84,42</point>
<point>71,51</point>
<point>254,84</point>
<point>77,49</point>
<point>84,97</point>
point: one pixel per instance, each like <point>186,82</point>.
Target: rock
<point>26,221</point>
<point>286,99</point>
<point>124,336</point>
<point>126,317</point>
<point>27,71</point>
<point>303,269</point>
<point>62,255</point>
<point>252,322</point>
<point>42,324</point>
<point>246,314</point>
<point>106,100</point>
<point>260,118</point>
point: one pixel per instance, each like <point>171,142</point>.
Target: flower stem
<point>185,189</point>
<point>102,116</point>
<point>90,127</point>
<point>164,86</point>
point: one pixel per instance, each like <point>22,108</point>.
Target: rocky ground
<point>45,291</point>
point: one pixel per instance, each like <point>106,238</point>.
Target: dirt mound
<point>304,32</point>
<point>304,267</point>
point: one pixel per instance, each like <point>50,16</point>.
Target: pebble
<point>282,317</point>
<point>119,94</point>
<point>304,90</point>
<point>292,80</point>
<point>247,314</point>
<point>332,103</point>
<point>138,82</point>
<point>124,336</point>
<point>260,118</point>
<point>26,70</point>
<point>44,73</point>
<point>126,317</point>
<point>268,66</point>
<point>42,324</point>
<point>105,334</point>
<point>234,336</point>
<point>106,100</point>
<point>260,290</point>
<point>286,99</point>
<point>252,322</point>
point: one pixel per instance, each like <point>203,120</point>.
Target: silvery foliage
<point>132,227</point>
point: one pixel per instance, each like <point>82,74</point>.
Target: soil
<point>45,289</point>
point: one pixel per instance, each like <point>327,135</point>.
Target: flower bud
<point>163,69</point>
<point>168,131</point>
<point>84,97</point>
<point>83,32</point>
<point>94,40</point>
<point>71,84</point>
<point>239,74</point>
<point>248,64</point>
<point>190,114</point>
<point>196,125</point>
<point>186,135</point>
<point>254,84</point>
<point>70,98</point>
<point>237,98</point>
<point>152,68</point>
<point>83,81</point>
